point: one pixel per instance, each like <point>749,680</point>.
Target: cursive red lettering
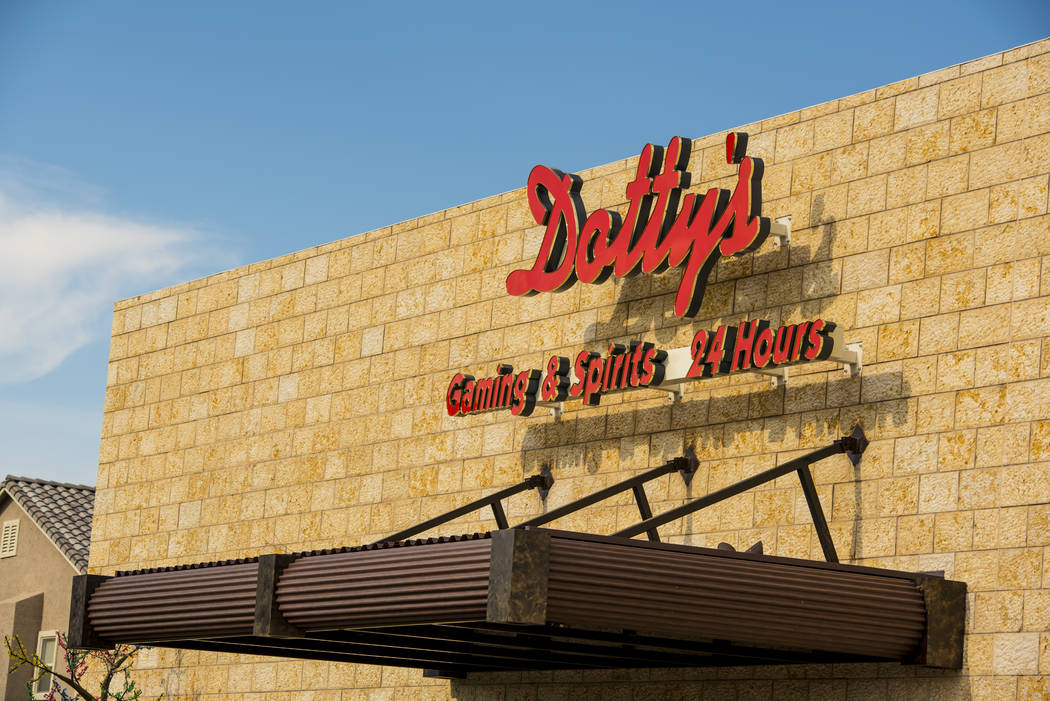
<point>651,236</point>
<point>553,200</point>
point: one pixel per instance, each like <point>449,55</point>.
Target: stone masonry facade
<point>298,403</point>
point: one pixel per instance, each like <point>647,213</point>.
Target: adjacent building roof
<point>62,511</point>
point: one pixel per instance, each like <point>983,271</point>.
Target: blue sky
<point>142,144</point>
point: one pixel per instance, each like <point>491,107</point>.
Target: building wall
<point>35,586</point>
<point>298,403</point>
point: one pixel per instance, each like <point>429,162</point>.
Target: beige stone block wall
<point>297,403</point>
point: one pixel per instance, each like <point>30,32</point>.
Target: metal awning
<point>533,599</point>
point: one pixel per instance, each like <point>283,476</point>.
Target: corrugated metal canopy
<point>530,599</point>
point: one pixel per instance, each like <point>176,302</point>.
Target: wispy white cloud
<point>64,261</point>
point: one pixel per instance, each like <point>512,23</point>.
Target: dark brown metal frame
<point>685,466</point>
<point>531,598</point>
<point>853,445</point>
<point>543,600</point>
<point>541,482</point>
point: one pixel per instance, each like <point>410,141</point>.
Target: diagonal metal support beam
<point>817,513</point>
<point>645,511</point>
<point>853,445</point>
<point>541,482</point>
<point>499,514</point>
<point>686,465</point>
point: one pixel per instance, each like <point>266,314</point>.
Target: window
<point>47,651</point>
<point>9,539</point>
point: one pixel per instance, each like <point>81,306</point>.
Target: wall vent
<point>9,539</point>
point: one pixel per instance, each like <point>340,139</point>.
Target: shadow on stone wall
<point>719,420</point>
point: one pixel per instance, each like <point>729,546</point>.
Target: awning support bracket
<point>853,445</point>
<point>499,514</point>
<point>685,465</point>
<point>816,512</point>
<point>644,511</point>
<point>541,482</point>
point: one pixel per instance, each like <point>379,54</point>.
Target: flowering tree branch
<point>117,661</point>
